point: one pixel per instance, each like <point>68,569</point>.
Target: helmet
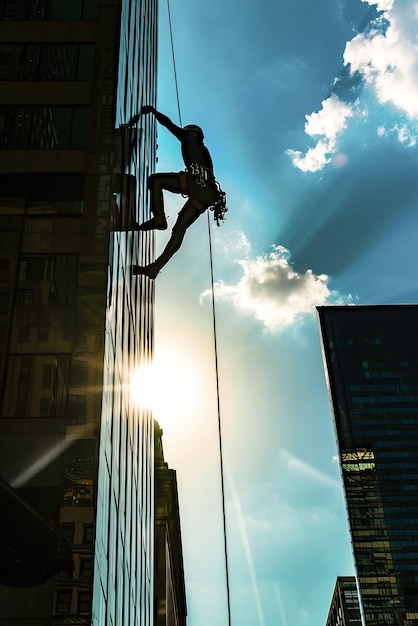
<point>195,129</point>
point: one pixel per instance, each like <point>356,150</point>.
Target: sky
<point>310,112</point>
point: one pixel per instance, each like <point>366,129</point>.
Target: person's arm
<point>164,120</point>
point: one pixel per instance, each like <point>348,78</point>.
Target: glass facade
<point>345,605</point>
<point>44,127</point>
<point>371,360</point>
<point>47,10</point>
<point>74,324</point>
<point>39,61</point>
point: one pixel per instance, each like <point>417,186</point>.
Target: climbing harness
<point>183,184</point>
<point>219,206</point>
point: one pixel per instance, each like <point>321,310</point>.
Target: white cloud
<point>388,61</point>
<point>405,135</point>
<point>403,132</point>
<point>312,472</point>
<point>385,56</point>
<point>273,292</point>
<point>381,5</point>
<point>313,161</point>
<point>330,120</point>
<point>231,248</point>
<point>326,124</point>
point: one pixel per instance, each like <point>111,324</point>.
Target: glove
<point>147,108</point>
<point>134,120</point>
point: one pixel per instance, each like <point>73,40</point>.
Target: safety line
<point>228,595</point>
<point>219,424</point>
<point>174,60</point>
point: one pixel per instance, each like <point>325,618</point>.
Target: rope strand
<point>219,424</point>
<point>174,61</point>
<point>228,595</point>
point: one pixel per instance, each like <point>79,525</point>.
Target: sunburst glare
<point>169,386</point>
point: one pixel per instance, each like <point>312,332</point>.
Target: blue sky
<point>310,111</point>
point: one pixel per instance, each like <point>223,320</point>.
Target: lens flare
<point>143,386</point>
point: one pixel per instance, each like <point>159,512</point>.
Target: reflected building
<point>75,452</point>
<point>345,605</point>
<point>371,361</point>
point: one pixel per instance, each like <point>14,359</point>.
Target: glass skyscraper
<point>75,450</point>
<point>345,606</point>
<point>371,361</point>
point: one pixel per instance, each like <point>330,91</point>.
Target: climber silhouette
<point>197,183</point>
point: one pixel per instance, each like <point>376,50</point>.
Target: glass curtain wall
<point>372,367</point>
<point>123,583</point>
<point>74,325</point>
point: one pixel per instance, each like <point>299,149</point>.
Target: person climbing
<point>197,183</point>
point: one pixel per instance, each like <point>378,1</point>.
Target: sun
<point>171,386</point>
<point>142,386</point>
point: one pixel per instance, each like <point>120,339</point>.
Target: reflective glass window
<point>63,601</point>
<point>86,567</point>
<point>47,61</point>
<point>43,127</point>
<point>88,533</point>
<point>57,207</point>
<point>31,389</point>
<point>49,10</point>
<point>84,602</point>
<point>67,531</point>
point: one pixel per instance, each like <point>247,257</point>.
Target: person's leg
<point>187,216</point>
<point>157,183</point>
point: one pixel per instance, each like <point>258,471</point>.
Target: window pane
<point>63,602</point>
<point>67,531</point>
<point>63,10</point>
<point>43,128</point>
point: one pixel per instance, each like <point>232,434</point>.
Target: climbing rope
<point>219,423</point>
<point>174,60</point>
<point>218,216</point>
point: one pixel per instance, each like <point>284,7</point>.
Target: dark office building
<point>169,588</point>
<point>371,361</point>
<point>76,454</point>
<point>345,606</point>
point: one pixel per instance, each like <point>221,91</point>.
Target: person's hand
<point>134,120</point>
<point>147,108</point>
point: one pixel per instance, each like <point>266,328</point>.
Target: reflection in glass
<point>43,127</point>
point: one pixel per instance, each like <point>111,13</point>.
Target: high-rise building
<point>345,606</point>
<point>371,361</point>
<point>170,594</point>
<point>75,451</point>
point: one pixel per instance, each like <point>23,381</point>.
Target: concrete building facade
<point>170,594</point>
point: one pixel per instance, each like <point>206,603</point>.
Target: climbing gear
<point>202,173</point>
<point>183,184</point>
<point>219,206</point>
<point>197,205</point>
